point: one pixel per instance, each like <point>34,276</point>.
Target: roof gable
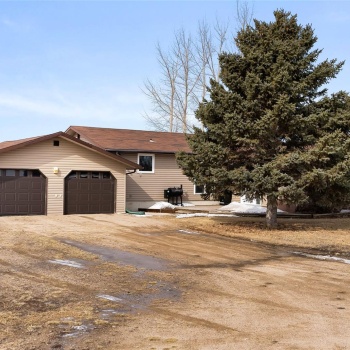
<point>7,146</point>
<point>132,140</point>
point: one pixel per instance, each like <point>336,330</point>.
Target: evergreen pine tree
<point>269,129</point>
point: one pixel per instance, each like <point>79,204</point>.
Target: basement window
<point>199,189</point>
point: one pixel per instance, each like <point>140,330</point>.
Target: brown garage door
<point>22,192</point>
<point>89,192</point>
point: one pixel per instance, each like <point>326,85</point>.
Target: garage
<point>22,192</point>
<point>75,177</point>
<point>89,192</point>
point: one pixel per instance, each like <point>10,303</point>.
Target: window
<point>36,173</point>
<point>72,175</point>
<point>84,175</point>
<point>56,143</point>
<point>23,173</point>
<point>147,162</point>
<point>95,175</point>
<point>10,172</point>
<point>199,189</point>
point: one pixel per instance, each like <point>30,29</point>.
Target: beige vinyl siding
<point>150,186</point>
<point>67,156</point>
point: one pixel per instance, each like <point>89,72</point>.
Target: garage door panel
<point>24,185</point>
<point>36,209</point>
<point>94,207</point>
<point>84,186</point>
<point>9,185</point>
<point>83,209</point>
<point>105,187</point>
<point>83,197</point>
<point>37,186</point>
<point>10,196</point>
<point>36,197</point>
<point>73,184</point>
<point>89,195</point>
<point>96,187</point>
<point>23,197</point>
<point>23,209</point>
<point>95,197</point>
<point>106,208</point>
<point>10,208</point>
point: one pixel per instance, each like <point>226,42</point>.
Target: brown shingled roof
<point>132,140</point>
<point>7,146</point>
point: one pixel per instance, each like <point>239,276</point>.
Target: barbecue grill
<point>174,195</point>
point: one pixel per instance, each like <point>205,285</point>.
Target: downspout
<point>131,172</point>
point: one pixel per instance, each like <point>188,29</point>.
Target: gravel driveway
<point>127,282</point>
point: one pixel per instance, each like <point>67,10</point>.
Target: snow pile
<point>166,205</point>
<point>249,208</point>
<point>162,205</point>
<point>183,216</point>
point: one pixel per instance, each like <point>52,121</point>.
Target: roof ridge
<point>122,129</point>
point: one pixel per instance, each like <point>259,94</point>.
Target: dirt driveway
<point>128,282</point>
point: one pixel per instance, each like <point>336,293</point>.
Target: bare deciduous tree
<point>186,68</point>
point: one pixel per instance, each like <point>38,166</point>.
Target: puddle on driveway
<point>123,257</point>
<point>156,290</point>
<point>129,303</point>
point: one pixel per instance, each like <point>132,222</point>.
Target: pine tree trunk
<point>271,212</point>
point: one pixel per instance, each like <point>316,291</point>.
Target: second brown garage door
<point>89,192</point>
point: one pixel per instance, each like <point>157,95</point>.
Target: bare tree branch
<point>185,71</point>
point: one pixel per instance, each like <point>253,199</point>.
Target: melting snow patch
<point>189,232</point>
<point>67,263</point>
<point>246,208</point>
<point>162,205</point>
<point>323,257</point>
<point>78,330</point>
<point>109,297</point>
<point>182,216</point>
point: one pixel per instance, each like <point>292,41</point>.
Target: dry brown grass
<point>324,234</point>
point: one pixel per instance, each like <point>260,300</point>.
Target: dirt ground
<point>156,282</point>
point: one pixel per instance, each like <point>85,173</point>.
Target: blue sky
<point>84,62</point>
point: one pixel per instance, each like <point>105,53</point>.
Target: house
<point>61,174</point>
<point>155,152</point>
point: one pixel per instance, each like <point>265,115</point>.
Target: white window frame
<point>194,189</point>
<point>153,163</point>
